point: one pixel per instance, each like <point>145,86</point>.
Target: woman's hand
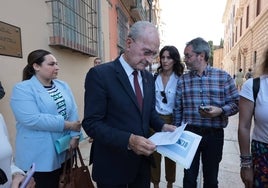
<point>31,183</point>
<point>246,175</point>
<point>74,142</point>
<point>17,179</point>
<point>72,125</point>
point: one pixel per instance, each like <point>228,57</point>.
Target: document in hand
<point>181,151</point>
<point>165,138</point>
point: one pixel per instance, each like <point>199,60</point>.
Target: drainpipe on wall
<point>150,10</point>
<point>100,34</point>
<point>150,19</point>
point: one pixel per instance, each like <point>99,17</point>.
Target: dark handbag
<point>74,176</point>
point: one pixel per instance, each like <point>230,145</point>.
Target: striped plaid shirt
<point>215,87</point>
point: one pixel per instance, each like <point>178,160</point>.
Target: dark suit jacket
<point>111,114</point>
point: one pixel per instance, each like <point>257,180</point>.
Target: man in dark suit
<point>115,119</point>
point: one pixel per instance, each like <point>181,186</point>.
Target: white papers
<point>184,150</point>
<point>165,138</point>
<point>180,146</point>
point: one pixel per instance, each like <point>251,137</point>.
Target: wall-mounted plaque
<point>10,40</point>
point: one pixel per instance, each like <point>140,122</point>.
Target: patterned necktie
<point>137,88</point>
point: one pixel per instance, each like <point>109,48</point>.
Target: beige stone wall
<point>254,39</point>
<point>217,58</point>
<point>32,17</point>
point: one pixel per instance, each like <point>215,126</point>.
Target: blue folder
<point>63,143</point>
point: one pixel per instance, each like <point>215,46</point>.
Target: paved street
<point>229,174</point>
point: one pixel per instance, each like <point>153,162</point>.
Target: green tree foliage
<point>212,47</point>
<point>210,60</point>
<point>221,43</point>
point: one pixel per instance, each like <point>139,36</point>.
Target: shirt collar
<point>128,69</point>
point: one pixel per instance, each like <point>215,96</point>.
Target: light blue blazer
<point>39,125</point>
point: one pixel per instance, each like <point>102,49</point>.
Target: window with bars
<point>74,25</point>
<point>258,7</point>
<point>122,27</point>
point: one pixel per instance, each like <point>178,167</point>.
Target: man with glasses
<point>205,98</point>
<point>122,93</point>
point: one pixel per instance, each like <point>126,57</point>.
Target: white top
<point>260,130</point>
<point>6,163</point>
<point>170,90</point>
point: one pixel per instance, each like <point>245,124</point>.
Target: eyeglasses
<point>188,56</point>
<point>3,177</point>
<point>163,94</point>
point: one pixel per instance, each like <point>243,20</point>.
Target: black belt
<point>203,130</point>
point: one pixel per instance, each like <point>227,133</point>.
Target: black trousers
<point>210,152</point>
<point>48,179</point>
<point>142,179</point>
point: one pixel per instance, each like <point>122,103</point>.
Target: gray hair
<point>136,30</point>
<point>199,46</point>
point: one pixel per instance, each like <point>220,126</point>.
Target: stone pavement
<point>229,172</point>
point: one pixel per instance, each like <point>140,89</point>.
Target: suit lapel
<point>123,79</point>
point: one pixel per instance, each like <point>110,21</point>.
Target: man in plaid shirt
<point>205,98</point>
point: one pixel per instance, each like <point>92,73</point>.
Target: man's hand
<point>211,111</point>
<point>141,145</point>
<point>168,128</point>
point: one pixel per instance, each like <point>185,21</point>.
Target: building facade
<point>74,31</point>
<point>245,34</point>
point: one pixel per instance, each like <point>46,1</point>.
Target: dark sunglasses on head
<point>163,94</point>
<point>3,177</point>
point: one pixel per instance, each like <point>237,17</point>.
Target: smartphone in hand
<point>28,176</point>
<point>204,108</point>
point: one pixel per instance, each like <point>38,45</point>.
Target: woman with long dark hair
<point>166,78</point>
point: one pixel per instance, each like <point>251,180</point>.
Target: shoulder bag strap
<point>255,88</point>
<point>80,157</point>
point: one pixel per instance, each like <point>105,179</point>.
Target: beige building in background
<point>218,57</point>
<point>245,34</point>
<point>74,31</point>
<point>33,18</point>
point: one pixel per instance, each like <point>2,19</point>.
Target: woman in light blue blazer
<point>45,110</point>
